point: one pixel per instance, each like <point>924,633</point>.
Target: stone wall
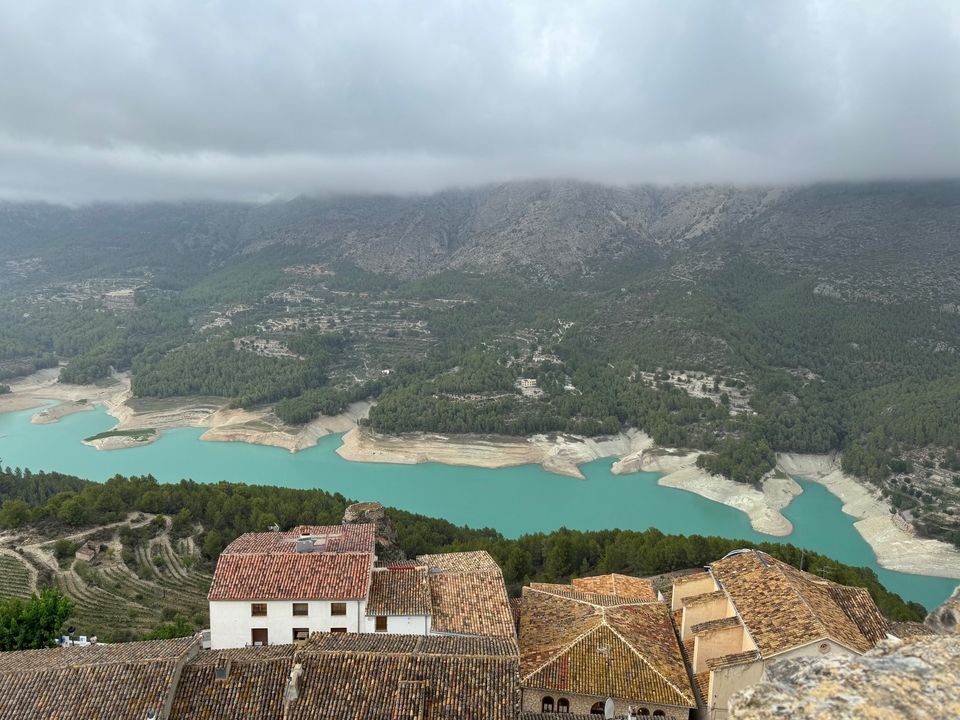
<point>532,701</point>
<point>909,680</point>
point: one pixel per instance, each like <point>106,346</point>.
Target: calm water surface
<point>513,500</point>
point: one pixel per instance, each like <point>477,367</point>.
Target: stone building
<point>599,638</point>
<point>748,610</point>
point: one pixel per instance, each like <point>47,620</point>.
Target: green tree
<point>34,623</point>
<point>14,513</point>
<point>212,544</point>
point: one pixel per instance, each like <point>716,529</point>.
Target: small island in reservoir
<point>117,439</point>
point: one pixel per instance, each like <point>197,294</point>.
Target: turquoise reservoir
<point>514,500</point>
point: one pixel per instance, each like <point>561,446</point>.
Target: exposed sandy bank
<point>892,540</point>
<point>53,413</point>
<point>255,427</point>
<point>560,454</point>
<point>42,386</point>
<point>222,424</point>
<point>680,471</point>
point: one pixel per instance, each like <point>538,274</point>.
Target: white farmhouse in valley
<point>280,587</point>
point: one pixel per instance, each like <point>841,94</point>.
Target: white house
<point>399,601</point>
<point>278,588</point>
<point>272,588</point>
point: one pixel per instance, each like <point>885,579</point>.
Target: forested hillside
<point>742,322</point>
<point>207,517</point>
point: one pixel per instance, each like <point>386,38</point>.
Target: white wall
<point>231,622</point>
<point>727,681</point>
<point>402,624</point>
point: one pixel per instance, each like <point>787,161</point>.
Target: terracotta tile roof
<point>711,625</point>
<point>467,594</point>
<point>253,688</point>
<point>103,681</point>
<point>382,644</point>
<point>411,700</point>
<point>860,608</point>
<point>732,659</point>
<point>615,584</point>
<point>702,681</point>
<point>397,677</point>
<point>704,598</point>
<point>470,604</point>
<point>574,593</point>
<point>399,592</point>
<point>359,538</point>
<point>515,605</point>
<point>468,562</point>
<point>692,577</point>
<point>904,630</point>
<point>561,639</point>
<point>293,576</point>
<point>783,608</point>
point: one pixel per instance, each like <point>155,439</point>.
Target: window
<point>338,608</point>
<point>338,630</point>
<point>644,712</point>
<point>258,609</point>
<point>259,636</point>
<point>301,609</point>
<point>381,623</point>
<point>596,708</point>
<point>563,705</point>
<point>300,634</point>
<point>546,705</point>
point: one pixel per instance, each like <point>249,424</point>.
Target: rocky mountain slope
<point>863,239</point>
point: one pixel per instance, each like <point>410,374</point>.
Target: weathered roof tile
<point>399,591</point>
<point>627,650</point>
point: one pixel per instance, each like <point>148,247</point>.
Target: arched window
<point>546,705</point>
<point>563,705</point>
<point>644,712</point>
<point>597,709</point>
<point>659,713</point>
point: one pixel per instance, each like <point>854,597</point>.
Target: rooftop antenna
<point>275,527</point>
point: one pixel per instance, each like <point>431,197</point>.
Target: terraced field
<point>15,578</point>
<point>114,600</point>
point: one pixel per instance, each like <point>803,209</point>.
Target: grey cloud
<point>253,100</point>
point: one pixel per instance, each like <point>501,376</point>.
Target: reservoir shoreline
<point>894,544</point>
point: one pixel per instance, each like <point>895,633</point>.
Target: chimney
<point>304,544</point>
<point>222,670</point>
<point>292,692</point>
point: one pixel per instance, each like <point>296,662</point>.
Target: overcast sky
<point>257,100</point>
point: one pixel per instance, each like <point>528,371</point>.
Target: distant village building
<point>90,550</point>
<point>749,609</point>
<point>120,300</point>
<point>601,640</point>
<point>276,588</point>
<point>528,387</point>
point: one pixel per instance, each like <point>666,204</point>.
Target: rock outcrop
<point>372,512</point>
<point>900,680</point>
<point>946,618</point>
